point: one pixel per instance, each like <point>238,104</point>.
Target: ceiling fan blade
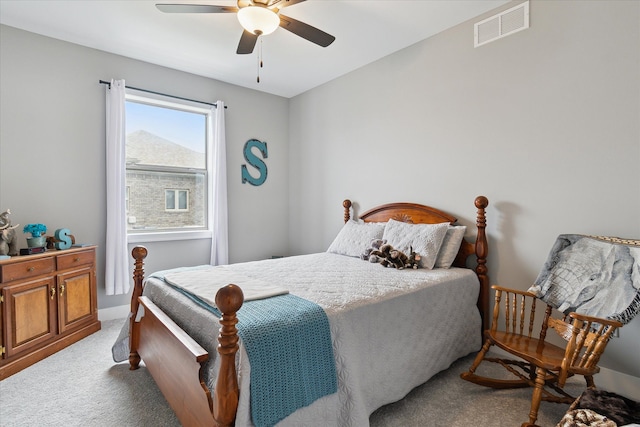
<point>247,43</point>
<point>306,31</point>
<point>284,3</point>
<point>195,8</point>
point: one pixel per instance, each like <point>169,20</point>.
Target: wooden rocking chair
<point>541,365</point>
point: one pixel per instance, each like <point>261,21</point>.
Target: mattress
<point>391,329</point>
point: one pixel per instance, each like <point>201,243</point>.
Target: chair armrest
<point>588,333</point>
<point>594,319</point>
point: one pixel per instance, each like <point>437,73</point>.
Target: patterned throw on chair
<point>579,267</point>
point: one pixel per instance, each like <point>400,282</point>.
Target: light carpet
<point>82,386</point>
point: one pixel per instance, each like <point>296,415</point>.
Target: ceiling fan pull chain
<point>259,59</point>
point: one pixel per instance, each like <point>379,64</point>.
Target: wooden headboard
<point>421,214</point>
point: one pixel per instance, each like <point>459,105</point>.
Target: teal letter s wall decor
<point>255,161</point>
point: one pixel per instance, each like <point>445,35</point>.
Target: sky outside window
<point>184,128</point>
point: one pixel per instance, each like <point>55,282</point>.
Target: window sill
<point>168,236</point>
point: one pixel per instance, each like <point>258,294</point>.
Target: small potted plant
<point>37,239</point>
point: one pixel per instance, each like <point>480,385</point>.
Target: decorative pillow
<point>425,239</point>
<point>355,237</point>
<point>450,246</point>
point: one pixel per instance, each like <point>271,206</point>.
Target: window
<point>176,200</point>
<point>167,142</point>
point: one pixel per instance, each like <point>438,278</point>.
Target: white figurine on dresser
<point>8,237</point>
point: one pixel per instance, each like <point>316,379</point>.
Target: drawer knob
<point>30,269</point>
<point>76,259</point>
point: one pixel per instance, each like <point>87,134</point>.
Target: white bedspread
<point>205,282</point>
<point>392,329</point>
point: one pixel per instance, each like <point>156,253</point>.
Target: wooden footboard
<point>175,360</point>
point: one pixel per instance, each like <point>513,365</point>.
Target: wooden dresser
<point>47,302</point>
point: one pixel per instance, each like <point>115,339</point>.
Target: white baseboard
<point>119,312</point>
<point>618,382</point>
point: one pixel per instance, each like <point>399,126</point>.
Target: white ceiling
<point>205,44</point>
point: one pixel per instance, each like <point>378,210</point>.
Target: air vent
<point>501,25</point>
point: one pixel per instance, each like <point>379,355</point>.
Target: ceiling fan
<point>257,17</point>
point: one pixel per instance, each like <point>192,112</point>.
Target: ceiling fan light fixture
<point>258,20</point>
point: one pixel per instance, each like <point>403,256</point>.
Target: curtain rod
<point>104,82</point>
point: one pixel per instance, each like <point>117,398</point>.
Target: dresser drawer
<point>75,259</point>
<point>26,269</point>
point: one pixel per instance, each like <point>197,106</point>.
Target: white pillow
<point>355,237</point>
<point>425,239</point>
<point>450,246</point>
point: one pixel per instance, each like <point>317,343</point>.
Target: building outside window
<point>166,165</point>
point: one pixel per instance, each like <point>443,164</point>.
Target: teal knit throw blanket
<point>288,341</point>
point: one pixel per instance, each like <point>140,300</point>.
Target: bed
<point>390,329</point>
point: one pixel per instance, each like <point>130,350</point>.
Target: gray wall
<point>52,148</point>
<point>545,123</point>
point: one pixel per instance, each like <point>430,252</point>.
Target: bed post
<point>482,249</point>
<point>229,299</point>
<point>347,212</point>
<point>139,253</point>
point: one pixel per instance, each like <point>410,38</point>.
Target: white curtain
<point>117,259</point>
<point>218,188</point>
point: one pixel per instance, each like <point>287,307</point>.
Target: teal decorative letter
<point>255,161</point>
<point>62,234</point>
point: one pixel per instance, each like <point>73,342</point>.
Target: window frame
<point>139,236</point>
